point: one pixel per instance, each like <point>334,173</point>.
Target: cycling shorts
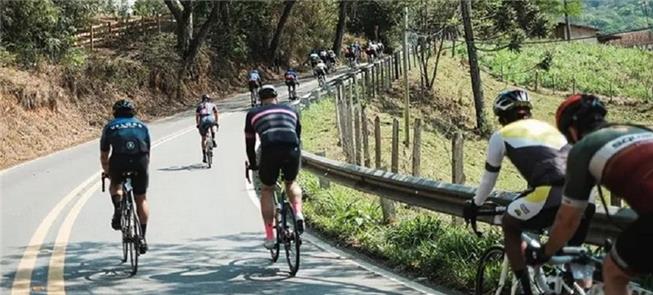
<point>206,122</point>
<point>632,250</point>
<point>276,159</point>
<point>291,82</point>
<point>252,85</point>
<point>121,163</point>
<point>537,210</point>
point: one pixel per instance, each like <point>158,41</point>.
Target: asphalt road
<point>205,230</point>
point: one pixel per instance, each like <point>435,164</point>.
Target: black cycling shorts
<point>279,158</point>
<point>632,250</point>
<point>291,83</point>
<point>119,164</point>
<point>253,85</point>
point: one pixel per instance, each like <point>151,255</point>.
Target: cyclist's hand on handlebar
<point>535,255</point>
<point>470,210</point>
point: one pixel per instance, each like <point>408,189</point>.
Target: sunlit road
<point>205,230</point>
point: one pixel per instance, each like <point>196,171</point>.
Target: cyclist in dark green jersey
<point>618,157</point>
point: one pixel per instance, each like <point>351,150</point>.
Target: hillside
<point>616,15</point>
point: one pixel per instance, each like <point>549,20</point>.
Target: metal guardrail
<point>434,195</point>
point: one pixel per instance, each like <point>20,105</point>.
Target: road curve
<point>205,228</point>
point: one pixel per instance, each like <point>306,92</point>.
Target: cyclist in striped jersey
<point>279,130</point>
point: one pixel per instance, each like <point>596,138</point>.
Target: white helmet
<point>509,100</point>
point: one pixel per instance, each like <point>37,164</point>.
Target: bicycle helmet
<point>123,108</point>
<point>205,98</point>
<point>267,91</point>
<point>582,111</point>
<point>510,103</point>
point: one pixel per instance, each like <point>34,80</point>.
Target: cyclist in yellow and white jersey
<point>539,152</point>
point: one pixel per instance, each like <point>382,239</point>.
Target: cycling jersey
<point>126,136</point>
<point>205,109</point>
<point>275,124</point>
<point>320,68</point>
<point>291,76</point>
<point>254,76</point>
<point>620,157</point>
<point>537,150</point>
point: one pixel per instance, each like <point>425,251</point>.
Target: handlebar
<point>491,210</point>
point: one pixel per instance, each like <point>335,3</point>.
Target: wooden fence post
<point>397,70</point>
<point>109,32</point>
<point>324,182</point>
<point>357,138</point>
<point>350,124</point>
<point>417,147</point>
<point>377,142</point>
<point>338,104</point>
<point>395,146</point>
<point>158,22</point>
<point>382,73</point>
<point>366,143</point>
<point>537,76</point>
<point>457,165</point>
<point>387,205</point>
<point>92,36</point>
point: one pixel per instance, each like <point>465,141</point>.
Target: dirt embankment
<point>50,108</point>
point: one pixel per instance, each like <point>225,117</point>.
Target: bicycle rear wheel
<point>492,277</point>
<point>133,238</point>
<point>291,238</point>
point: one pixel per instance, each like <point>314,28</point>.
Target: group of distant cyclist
<point>561,166</point>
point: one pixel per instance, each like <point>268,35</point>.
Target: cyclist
<point>314,58</point>
<point>538,151</point>
<point>618,157</point>
<point>291,81</point>
<point>320,70</point>
<point>125,147</point>
<point>279,130</point>
<point>253,80</point>
<point>206,118</point>
<point>332,56</point>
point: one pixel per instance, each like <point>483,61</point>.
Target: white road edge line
<point>251,191</point>
<point>23,277</point>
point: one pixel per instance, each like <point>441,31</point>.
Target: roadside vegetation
<point>607,70</point>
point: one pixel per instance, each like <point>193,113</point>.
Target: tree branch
<point>174,7</point>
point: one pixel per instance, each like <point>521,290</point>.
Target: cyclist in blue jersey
<point>279,130</point>
<point>125,147</point>
<point>292,82</point>
<point>253,80</point>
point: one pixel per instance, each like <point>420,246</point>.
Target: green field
<point>601,69</point>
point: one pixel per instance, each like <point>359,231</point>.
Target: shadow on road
<point>217,265</point>
<point>186,167</point>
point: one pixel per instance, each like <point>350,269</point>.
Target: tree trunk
<point>437,62</point>
<point>196,43</point>
<point>466,7</point>
<point>340,30</point>
<point>274,44</point>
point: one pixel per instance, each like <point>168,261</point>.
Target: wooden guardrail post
<point>377,142</point>
<point>417,147</point>
<point>350,124</point>
<point>457,165</point>
<point>382,74</point>
<point>338,104</point>
<point>366,143</point>
<point>324,182</point>
<point>357,135</point>
<point>387,205</point>
<point>397,63</point>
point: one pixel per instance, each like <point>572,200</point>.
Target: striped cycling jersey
<point>275,125</point>
<point>620,157</point>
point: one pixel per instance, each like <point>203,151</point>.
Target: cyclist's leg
<point>527,212</point>
<point>630,255</point>
<point>268,174</point>
<point>290,170</point>
<point>202,131</point>
<point>116,168</point>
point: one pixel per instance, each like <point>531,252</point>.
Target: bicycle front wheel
<point>492,275</point>
<point>292,240</point>
<point>134,245</point>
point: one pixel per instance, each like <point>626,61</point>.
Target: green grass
<point>599,69</point>
<point>421,242</point>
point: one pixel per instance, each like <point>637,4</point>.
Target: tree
<point>188,45</point>
<point>340,30</point>
<point>149,7</point>
<point>274,44</point>
<point>477,88</point>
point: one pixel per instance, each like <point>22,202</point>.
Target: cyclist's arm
<point>250,141</point>
<point>495,153</point>
<point>567,221</point>
<point>216,114</point>
<point>105,148</point>
<point>148,141</point>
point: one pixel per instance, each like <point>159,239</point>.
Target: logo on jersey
<point>130,145</point>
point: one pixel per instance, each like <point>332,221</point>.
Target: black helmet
<point>581,111</point>
<point>509,102</point>
<point>267,91</point>
<point>206,97</point>
<point>123,108</point>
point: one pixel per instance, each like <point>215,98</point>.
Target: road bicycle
<point>253,97</point>
<point>130,225</point>
<point>208,146</point>
<point>285,224</point>
<point>321,79</point>
<point>558,276</point>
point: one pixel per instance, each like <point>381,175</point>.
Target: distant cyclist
<point>538,151</point>
<point>291,78</point>
<point>206,118</point>
<point>279,130</point>
<point>254,80</point>
<point>320,70</point>
<point>618,157</point>
<point>314,59</point>
<point>125,147</point>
